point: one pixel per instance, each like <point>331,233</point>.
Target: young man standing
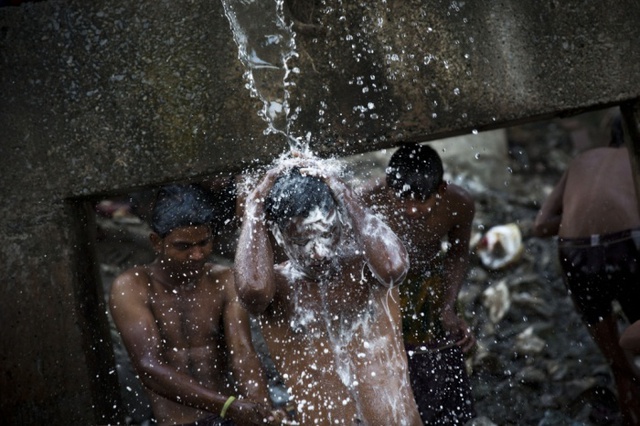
<point>594,211</point>
<point>330,313</point>
<point>425,211</point>
<point>182,323</point>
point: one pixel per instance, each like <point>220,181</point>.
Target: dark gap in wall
<point>93,324</point>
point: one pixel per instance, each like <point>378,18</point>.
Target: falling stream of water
<point>265,43</point>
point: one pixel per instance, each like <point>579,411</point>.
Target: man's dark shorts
<point>441,385</point>
<point>601,269</point>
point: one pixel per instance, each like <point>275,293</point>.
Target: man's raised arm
<point>254,273</point>
<point>385,254</point>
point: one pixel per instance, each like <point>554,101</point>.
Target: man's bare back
<point>583,203</point>
<point>594,211</point>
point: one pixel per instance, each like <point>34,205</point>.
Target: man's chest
<point>188,320</point>
<point>308,311</point>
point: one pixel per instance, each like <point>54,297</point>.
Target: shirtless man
<point>183,326</point>
<point>594,211</point>
<point>426,211</point>
<point>330,313</point>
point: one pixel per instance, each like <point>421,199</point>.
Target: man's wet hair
<point>415,171</point>
<point>178,205</point>
<point>295,195</point>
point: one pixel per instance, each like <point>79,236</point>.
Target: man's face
<point>311,242</point>
<point>185,250</point>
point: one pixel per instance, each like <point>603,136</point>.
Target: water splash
<point>265,43</point>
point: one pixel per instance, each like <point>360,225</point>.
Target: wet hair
<point>295,195</point>
<point>415,170</point>
<point>183,205</point>
<point>617,133</point>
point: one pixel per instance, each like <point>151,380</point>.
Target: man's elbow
<point>254,300</point>
<point>396,271</point>
<point>149,370</point>
<point>254,290</point>
<point>399,276</point>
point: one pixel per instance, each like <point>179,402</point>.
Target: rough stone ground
<point>537,364</point>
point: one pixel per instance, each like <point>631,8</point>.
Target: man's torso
<point>190,324</point>
<point>422,291</point>
<point>599,195</point>
<point>339,346</point>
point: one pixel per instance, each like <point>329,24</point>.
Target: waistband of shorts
<point>599,239</point>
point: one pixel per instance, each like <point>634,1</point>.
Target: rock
<point>496,300</point>
<point>556,418</point>
<point>477,275</point>
<point>501,246</point>
<point>531,376</point>
<point>528,343</point>
<point>532,304</point>
<point>480,421</point>
<point>487,361</point>
<point>557,370</point>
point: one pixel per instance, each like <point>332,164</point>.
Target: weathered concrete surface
<point>102,97</point>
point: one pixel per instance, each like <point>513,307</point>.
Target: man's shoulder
<point>133,275</point>
<point>221,278</point>
<point>459,194</point>
<point>459,203</point>
<point>133,281</point>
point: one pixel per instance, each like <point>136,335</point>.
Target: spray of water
<point>266,43</point>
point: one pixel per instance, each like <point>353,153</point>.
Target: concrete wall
<point>102,97</point>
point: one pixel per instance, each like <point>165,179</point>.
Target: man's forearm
<point>254,275</point>
<point>181,388</point>
<point>251,379</point>
<point>384,252</point>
